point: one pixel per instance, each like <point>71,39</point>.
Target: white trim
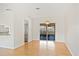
<point>18,46</point>
<point>6,47</point>
<point>69,49</point>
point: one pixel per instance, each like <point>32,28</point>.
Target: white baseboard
<point>69,49</point>
<point>6,47</point>
<point>19,45</point>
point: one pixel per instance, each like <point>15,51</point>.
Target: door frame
<point>54,30</point>
<point>29,29</point>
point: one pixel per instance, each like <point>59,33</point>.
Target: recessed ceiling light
<point>37,8</point>
<point>8,9</point>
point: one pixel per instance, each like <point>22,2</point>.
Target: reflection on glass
<point>47,32</point>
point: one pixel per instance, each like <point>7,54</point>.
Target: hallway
<point>38,48</point>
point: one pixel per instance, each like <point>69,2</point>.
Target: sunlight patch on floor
<point>47,44</point>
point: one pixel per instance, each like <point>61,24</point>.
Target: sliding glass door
<point>42,32</point>
<point>47,32</point>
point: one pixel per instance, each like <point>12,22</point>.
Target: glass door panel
<point>51,33</point>
<point>42,33</point>
<point>47,32</point>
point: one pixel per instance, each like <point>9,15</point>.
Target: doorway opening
<point>26,31</point>
<point>47,31</point>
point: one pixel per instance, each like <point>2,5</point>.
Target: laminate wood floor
<point>38,48</point>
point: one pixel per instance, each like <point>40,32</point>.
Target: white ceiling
<point>46,9</point>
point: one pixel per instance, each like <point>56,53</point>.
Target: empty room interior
<point>39,29</point>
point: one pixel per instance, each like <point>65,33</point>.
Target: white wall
<point>18,27</point>
<point>6,18</point>
<point>72,29</point>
